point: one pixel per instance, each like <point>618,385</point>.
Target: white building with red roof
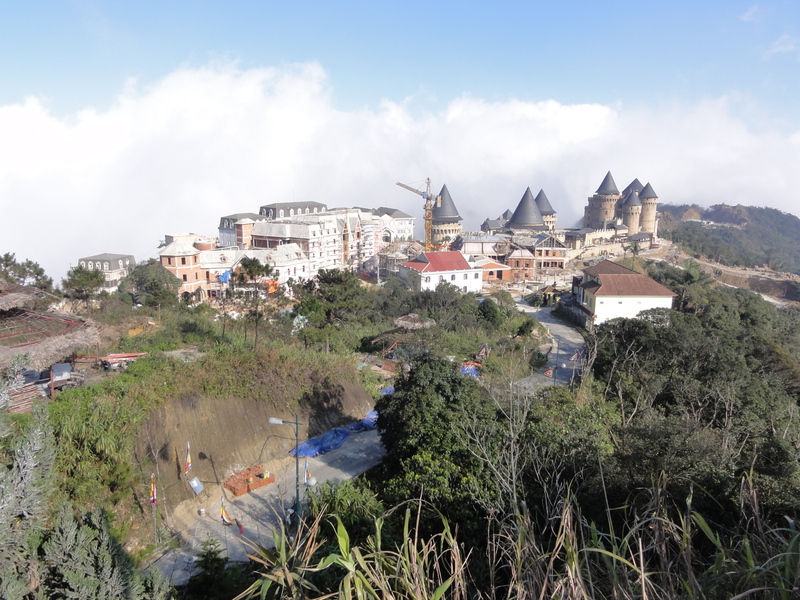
<point>430,269</point>
<point>609,290</point>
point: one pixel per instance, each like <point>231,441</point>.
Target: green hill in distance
<point>741,236</point>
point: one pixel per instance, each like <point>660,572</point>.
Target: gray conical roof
<point>507,215</point>
<point>632,199</point>
<point>447,210</point>
<point>648,192</point>
<point>527,213</point>
<point>608,187</point>
<point>633,185</point>
<point>543,204</point>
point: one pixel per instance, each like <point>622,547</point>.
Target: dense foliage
<point>749,236</point>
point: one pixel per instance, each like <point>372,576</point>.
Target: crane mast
<point>428,210</point>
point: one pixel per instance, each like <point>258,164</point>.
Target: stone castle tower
<point>446,220</point>
<point>635,206</point>
<point>602,207</point>
<point>649,219</point>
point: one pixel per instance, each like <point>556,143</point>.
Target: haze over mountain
<point>127,131</point>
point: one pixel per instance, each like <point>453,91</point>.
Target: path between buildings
<point>260,510</point>
<point>566,340</point>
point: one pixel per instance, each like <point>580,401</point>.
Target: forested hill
<point>746,236</point>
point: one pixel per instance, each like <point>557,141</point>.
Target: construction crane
<point>429,201</point>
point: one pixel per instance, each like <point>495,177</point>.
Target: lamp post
<point>296,423</point>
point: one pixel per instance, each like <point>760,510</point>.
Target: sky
<point>121,122</point>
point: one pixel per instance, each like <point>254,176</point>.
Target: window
<point>477,275</point>
<point>183,260</point>
<point>280,213</point>
<point>428,279</point>
<point>452,277</point>
<point>83,264</point>
<point>169,260</point>
<point>441,278</point>
<point>105,266</point>
<point>90,265</point>
<point>491,273</point>
<point>120,264</point>
<point>466,276</point>
<point>184,277</point>
<point>291,212</point>
<point>196,275</point>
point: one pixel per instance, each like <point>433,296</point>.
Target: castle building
<point>446,220</point>
<point>635,207</point>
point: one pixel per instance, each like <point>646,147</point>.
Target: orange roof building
<point>432,268</point>
<point>609,291</point>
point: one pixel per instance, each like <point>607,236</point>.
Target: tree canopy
<point>26,272</point>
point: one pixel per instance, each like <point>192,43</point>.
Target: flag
<point>306,473</point>
<point>549,372</point>
<point>226,519</point>
<point>188,466</point>
<point>153,489</point>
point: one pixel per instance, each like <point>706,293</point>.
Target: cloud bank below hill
<point>201,143</point>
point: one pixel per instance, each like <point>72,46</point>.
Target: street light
<point>296,423</point>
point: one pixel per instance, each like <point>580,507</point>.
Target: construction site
<point>35,344</point>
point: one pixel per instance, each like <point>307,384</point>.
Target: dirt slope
<point>232,434</point>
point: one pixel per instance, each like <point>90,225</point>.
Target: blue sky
<point>192,110</point>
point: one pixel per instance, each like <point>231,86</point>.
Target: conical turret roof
<point>608,187</point>
<point>543,204</point>
<point>633,185</point>
<point>447,210</point>
<point>648,192</point>
<point>527,213</point>
<point>632,199</point>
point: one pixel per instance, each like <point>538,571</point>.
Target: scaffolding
<point>19,327</point>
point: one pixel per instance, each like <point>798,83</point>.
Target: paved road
<point>566,342</point>
<point>260,511</point>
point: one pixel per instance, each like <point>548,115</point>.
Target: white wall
<point>612,307</point>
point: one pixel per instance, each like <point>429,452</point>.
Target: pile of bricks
<point>248,480</point>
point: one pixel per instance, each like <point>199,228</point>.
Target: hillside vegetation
<point>753,236</point>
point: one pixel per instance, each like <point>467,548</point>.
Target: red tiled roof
<point>434,262</point>
<point>634,284</point>
<point>616,280</point>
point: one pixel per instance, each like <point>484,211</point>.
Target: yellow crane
<point>429,201</point>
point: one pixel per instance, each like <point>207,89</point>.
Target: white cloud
<point>751,14</point>
<point>201,143</point>
<point>785,43</point>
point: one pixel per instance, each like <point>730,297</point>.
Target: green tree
<point>490,313</point>
<point>82,284</point>
<point>253,271</point>
<point>26,272</point>
<point>426,449</point>
<point>334,298</point>
<point>151,285</point>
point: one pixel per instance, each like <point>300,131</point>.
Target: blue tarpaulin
<point>386,391</point>
<point>470,370</point>
<point>330,440</point>
<point>224,277</point>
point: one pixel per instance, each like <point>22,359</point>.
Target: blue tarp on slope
<point>330,440</point>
